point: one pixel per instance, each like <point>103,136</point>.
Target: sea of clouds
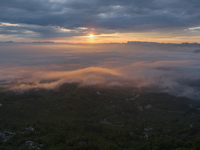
<point>169,68</point>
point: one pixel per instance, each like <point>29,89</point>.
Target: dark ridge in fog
<point>197,51</point>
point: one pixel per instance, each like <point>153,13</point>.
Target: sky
<point>116,21</point>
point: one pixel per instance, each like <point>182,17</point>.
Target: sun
<point>91,35</point>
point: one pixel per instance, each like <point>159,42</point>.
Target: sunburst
<point>91,35</point>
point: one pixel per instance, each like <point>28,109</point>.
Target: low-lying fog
<point>171,68</point>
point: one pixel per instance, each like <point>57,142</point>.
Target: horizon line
<point>128,42</point>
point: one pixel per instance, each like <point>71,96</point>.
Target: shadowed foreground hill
<point>96,117</point>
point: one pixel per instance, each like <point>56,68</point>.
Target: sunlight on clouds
<point>65,30</point>
<point>90,75</point>
<point>8,24</point>
<point>134,64</point>
<point>194,28</point>
<point>29,32</point>
<point>103,15</point>
<point>117,7</point>
<point>145,37</point>
<point>69,20</point>
<point>81,34</point>
<point>82,28</point>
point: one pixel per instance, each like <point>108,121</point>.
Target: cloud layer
<point>67,18</point>
<point>166,68</point>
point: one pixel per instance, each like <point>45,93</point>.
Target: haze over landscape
<point>171,68</point>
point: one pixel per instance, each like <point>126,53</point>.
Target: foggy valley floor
<point>98,117</point>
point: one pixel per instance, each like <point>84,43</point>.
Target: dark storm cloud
<point>117,15</point>
<point>37,32</point>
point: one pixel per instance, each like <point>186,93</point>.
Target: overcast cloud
<point>44,18</point>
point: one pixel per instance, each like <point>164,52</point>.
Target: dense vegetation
<point>95,117</point>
